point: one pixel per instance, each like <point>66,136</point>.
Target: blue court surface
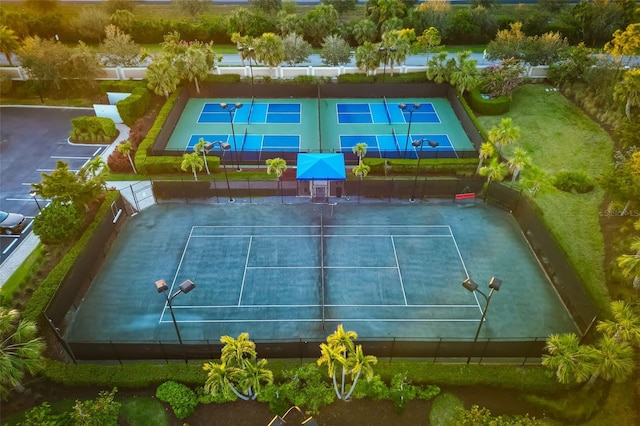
<point>253,113</point>
<point>385,113</point>
<point>394,146</point>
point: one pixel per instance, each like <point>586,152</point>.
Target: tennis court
<point>277,126</point>
<point>281,272</point>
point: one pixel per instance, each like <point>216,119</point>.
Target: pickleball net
<point>386,108</point>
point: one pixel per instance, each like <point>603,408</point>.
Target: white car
<point>11,223</point>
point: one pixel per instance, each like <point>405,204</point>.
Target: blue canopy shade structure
<point>321,167</point>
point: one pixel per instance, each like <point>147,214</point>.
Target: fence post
<point>393,345</point>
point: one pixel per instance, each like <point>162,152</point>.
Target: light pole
<point>33,194</point>
<point>231,110</point>
<point>224,146</point>
<point>494,285</point>
<point>412,108</point>
<point>419,143</point>
<point>185,288</point>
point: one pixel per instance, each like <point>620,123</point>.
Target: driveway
<point>32,139</point>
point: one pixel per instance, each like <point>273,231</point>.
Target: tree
<point>534,179</point>
<point>630,263</point>
<point>221,379</point>
<point>567,358</point>
<point>360,150</point>
<point>267,6</point>
<point>508,43</point>
<point>341,6</point>
<point>428,41</point>
<point>487,150</point>
<point>118,49</point>
<point>397,44</point>
<point>495,170</point>
<point>296,49</point>
<point>573,64</point>
<point>196,62</point>
<point>67,187</point>
<point>269,50</point>
<point>8,42</point>
<point>332,357</point>
<point>625,325</point>
<point>43,59</point>
<point>335,51</point>
<point>360,365</point>
<point>91,22</point>
<point>192,7</point>
<point>319,23</point>
<point>465,75</point>
<point>545,49</point>
<point>255,375</point>
<point>364,31</point>
<point>95,167</point>
<point>367,57</point>
<point>439,68</point>
<point>125,149</point>
<point>382,10</point>
<point>103,410</point>
<point>610,360</point>
<point>199,148</point>
<point>192,161</point>
<point>83,65</point>
<point>122,19</point>
<point>518,161</point>
<point>21,350</point>
<point>624,43</point>
<point>276,166</point>
<point>162,76</point>
<point>503,78</point>
<point>628,90</point>
<point>504,133</point>
<point>289,23</point>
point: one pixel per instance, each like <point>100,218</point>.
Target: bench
<point>466,196</point>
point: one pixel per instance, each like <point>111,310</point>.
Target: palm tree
<point>254,376</point>
<point>221,379</point>
<point>567,358</point>
<point>198,148</point>
<point>630,263</point>
<point>625,325</point>
<point>465,76</point>
<point>125,149</point>
<point>20,350</point>
<point>332,356</point>
<point>359,364</point>
<point>95,167</point>
<point>367,57</point>
<point>236,352</point>
<point>192,161</point>
<point>610,360</point>
<point>360,150</point>
<point>535,179</point>
<point>628,90</point>
<point>9,42</point>
<point>361,170</point>
<point>487,150</point>
<point>397,45</point>
<point>162,76</point>
<point>504,133</point>
<point>518,161</point>
<point>495,170</point>
<point>343,339</point>
<point>196,64</point>
<point>276,165</point>
<point>269,50</point>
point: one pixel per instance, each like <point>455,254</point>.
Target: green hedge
<point>88,129</point>
<point>40,298</point>
<point>121,86</point>
<point>224,78</point>
<point>142,154</point>
<point>134,106</point>
<point>495,106</point>
<point>454,166</point>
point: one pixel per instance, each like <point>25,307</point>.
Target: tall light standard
<point>33,194</point>
<point>494,285</point>
<point>185,288</point>
<point>231,110</point>
<point>404,108</point>
<point>419,143</point>
<point>224,146</point>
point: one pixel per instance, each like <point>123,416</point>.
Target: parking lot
<point>32,140</point>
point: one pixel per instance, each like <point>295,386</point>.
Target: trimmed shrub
<point>224,78</point>
<point>119,163</point>
<point>579,182</point>
<point>134,106</point>
<point>121,86</point>
<point>58,223</point>
<point>93,129</point>
<point>492,106</point>
<point>183,400</point>
<point>453,166</point>
<point>5,83</point>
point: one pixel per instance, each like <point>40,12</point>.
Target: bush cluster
<point>87,129</point>
<point>492,106</point>
<point>134,106</point>
<point>579,182</point>
<point>442,166</point>
<point>183,400</point>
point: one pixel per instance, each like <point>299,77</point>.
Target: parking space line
<point>51,170</point>
<point>70,158</point>
<point>13,243</point>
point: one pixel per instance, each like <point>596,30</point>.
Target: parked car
<point>11,223</point>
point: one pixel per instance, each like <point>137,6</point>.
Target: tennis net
<point>322,281</point>
<point>386,108</point>
<point>395,139</point>
<point>251,109</point>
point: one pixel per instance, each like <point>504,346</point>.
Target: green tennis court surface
<point>276,126</point>
<point>278,271</point>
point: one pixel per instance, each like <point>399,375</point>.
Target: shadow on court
<point>281,272</point>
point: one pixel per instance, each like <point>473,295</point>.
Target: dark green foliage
<point>572,407</point>
<point>492,106</point>
<point>441,166</point>
<point>5,83</point>
<point>121,86</point>
<point>103,411</point>
<point>374,389</point>
<point>183,400</point>
<point>40,298</point>
<point>87,129</point>
<point>134,106</point>
<point>268,6</point>
<point>224,78</point>
<point>58,223</point>
<point>42,416</point>
<point>401,391</point>
<point>303,387</point>
<point>579,182</point>
<point>477,416</point>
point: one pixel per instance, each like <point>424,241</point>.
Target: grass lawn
<point>558,136</point>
